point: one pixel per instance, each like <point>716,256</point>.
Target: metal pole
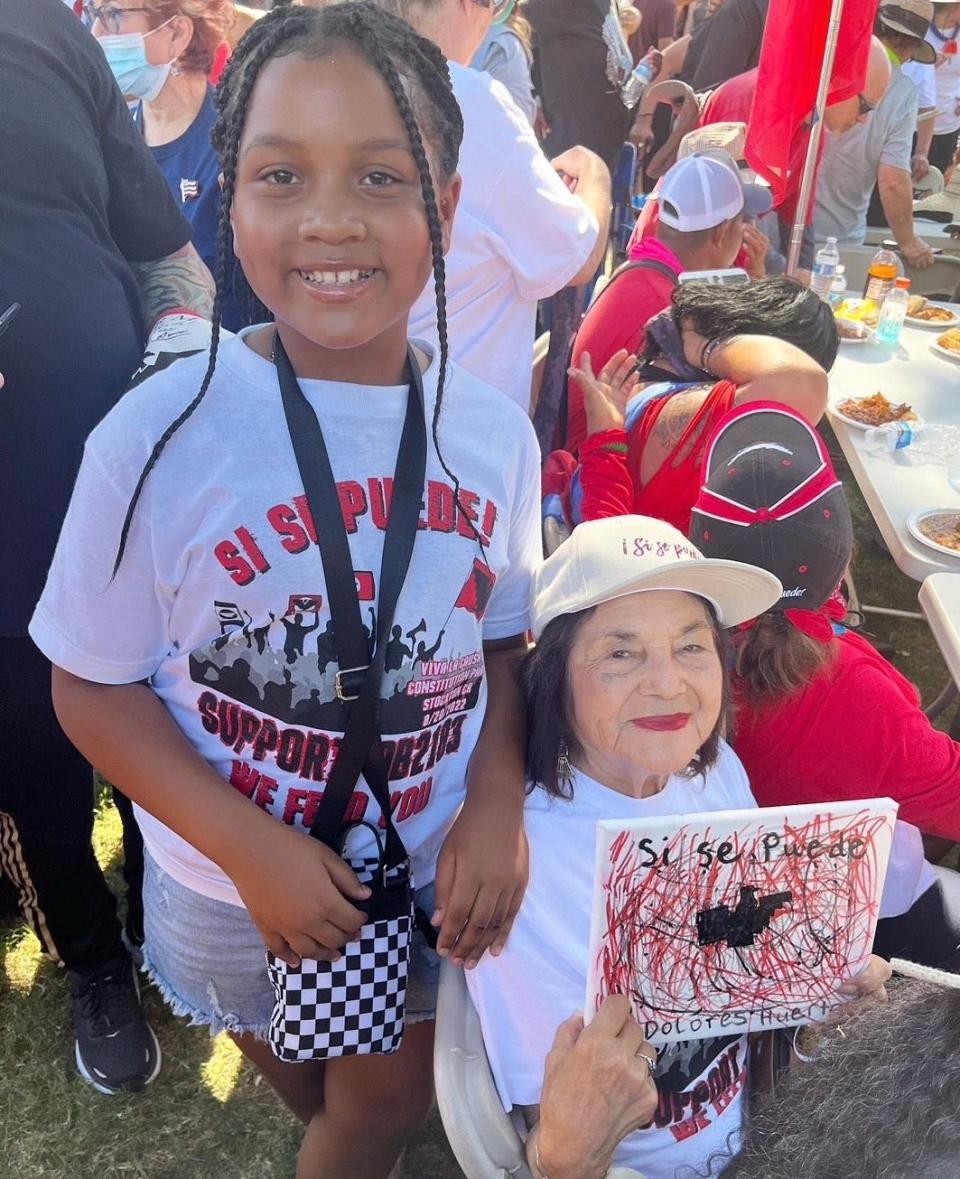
<point>816,130</point>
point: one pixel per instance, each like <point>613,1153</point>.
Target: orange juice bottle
<point>881,274</point>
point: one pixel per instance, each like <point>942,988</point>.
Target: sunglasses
<point>864,106</point>
<point>501,9</point>
<point>109,15</point>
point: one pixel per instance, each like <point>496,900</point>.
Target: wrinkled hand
<point>481,879</point>
<point>919,167</point>
<point>755,245</point>
<point>298,893</point>
<point>605,396</point>
<point>864,988</point>
<point>917,253</point>
<point>597,1089</point>
<point>641,132</point>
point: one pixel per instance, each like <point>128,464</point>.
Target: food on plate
<point>933,315</point>
<point>950,340</point>
<point>859,310</point>
<point>942,528</point>
<point>915,304</point>
<point>875,410</point>
<point>848,329</point>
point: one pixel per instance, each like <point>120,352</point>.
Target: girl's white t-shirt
<point>540,978</point>
<point>220,600</point>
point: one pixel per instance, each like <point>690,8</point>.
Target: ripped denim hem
<point>216,1021</point>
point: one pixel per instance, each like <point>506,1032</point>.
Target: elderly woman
<point>160,52</point>
<point>626,694</point>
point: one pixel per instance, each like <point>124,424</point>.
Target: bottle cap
<point>902,283</point>
<point>888,244</point>
<point>831,241</point>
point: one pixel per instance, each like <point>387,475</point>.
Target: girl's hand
<point>298,893</point>
<point>481,879</point>
<point>605,396</point>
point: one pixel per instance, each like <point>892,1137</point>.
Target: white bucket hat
<point>607,559</point>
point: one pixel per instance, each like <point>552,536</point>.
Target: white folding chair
<point>482,1136</point>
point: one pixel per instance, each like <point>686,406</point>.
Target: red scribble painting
<point>736,920</point>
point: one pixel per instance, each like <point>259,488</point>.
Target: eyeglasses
<point>109,15</point>
<point>865,107</point>
<point>501,9</point>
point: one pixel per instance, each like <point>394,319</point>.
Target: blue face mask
<point>126,56</point>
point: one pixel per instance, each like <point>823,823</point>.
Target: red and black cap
<point>770,497</point>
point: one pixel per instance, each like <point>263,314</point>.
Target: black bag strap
<point>358,680</point>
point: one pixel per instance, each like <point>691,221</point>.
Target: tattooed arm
<point>179,282</point>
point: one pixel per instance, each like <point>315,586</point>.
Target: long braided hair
<point>417,75</point>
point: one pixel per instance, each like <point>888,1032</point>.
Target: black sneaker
<point>116,1050</point>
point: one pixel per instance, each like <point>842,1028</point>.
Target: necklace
<point>944,36</point>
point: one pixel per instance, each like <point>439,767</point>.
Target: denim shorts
<point>209,962</point>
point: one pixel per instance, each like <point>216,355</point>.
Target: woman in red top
<point>769,341</point>
<point>821,716</point>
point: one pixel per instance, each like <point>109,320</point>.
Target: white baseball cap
<point>621,555</point>
<point>701,191</point>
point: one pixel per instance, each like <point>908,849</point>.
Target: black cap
<point>770,497</point>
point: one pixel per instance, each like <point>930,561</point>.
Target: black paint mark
<point>740,926</point>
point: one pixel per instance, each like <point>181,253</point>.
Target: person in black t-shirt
<point>571,48</point>
<point>95,250</point>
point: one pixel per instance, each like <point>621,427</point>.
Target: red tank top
<point>673,489</point>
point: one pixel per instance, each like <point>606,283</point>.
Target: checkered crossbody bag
<point>356,1004</point>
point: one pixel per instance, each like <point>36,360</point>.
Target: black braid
<point>400,55</point>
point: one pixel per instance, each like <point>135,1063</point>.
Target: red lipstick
<point>669,723</point>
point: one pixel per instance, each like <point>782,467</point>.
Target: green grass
<point>208,1116</point>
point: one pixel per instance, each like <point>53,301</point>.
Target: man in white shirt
<point>879,149</point>
<point>526,227</point>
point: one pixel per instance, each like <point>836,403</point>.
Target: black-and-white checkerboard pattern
<point>353,1006</point>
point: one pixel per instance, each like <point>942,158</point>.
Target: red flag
<point>477,589</point>
<point>788,75</point>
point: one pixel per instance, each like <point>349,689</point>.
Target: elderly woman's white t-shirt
<point>540,978</point>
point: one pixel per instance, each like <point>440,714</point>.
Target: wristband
<point>615,447</point>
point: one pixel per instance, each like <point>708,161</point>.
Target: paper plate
<point>946,353</point>
<point>952,515</point>
<point>832,406</point>
<point>942,324</point>
<point>864,339</point>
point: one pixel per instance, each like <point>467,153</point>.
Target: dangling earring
<point>564,768</point>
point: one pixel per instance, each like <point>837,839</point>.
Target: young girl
<point>193,660</point>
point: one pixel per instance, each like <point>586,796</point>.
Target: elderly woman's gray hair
<point>878,1101</point>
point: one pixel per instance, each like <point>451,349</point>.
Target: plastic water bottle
<point>824,269</point>
<point>934,442</point>
<point>838,288</point>
<point>640,78</point>
<point>893,313</point>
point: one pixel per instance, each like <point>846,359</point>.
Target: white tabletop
<point>895,486</point>
<point>940,601</point>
